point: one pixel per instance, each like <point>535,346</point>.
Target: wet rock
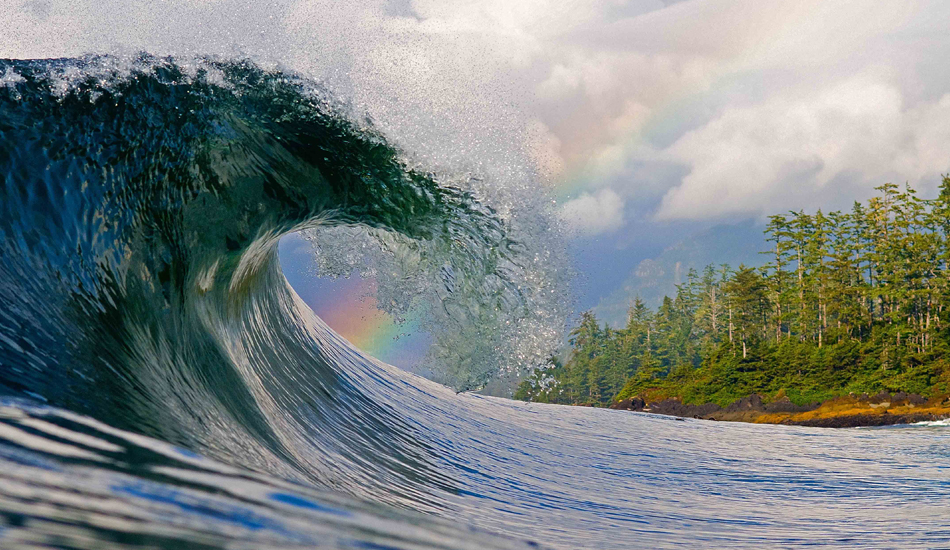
<point>858,420</point>
<point>632,404</point>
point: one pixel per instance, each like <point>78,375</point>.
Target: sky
<point>672,110</point>
<point>643,120</point>
<point>348,305</point>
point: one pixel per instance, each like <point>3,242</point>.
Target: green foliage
<point>850,302</point>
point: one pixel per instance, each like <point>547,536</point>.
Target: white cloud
<point>594,214</point>
<point>809,150</point>
<point>764,105</point>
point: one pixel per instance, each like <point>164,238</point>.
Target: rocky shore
<point>848,411</point>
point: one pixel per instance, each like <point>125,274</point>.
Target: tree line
<point>848,301</point>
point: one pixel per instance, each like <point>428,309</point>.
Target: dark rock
<point>904,398</point>
<point>632,404</point>
<point>896,399</point>
<point>675,407</point>
<point>785,405</point>
<point>859,420</point>
<point>882,397</point>
<point>750,403</point>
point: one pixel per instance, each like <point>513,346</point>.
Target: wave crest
<point>142,203</point>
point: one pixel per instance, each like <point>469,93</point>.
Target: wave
<point>139,281</point>
<point>933,423</point>
<point>161,385</point>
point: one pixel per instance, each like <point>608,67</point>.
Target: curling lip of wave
<point>142,201</point>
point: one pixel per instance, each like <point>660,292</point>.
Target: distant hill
<point>655,278</point>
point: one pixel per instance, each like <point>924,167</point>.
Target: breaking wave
<point>161,384</point>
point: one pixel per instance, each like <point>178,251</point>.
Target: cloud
<point>817,149</point>
<point>594,214</point>
<point>758,106</point>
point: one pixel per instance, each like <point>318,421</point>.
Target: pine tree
<point>747,295</point>
<point>778,231</point>
<point>849,301</point>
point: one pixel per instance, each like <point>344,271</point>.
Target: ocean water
<point>164,387</point>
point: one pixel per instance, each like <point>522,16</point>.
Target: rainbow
<point>354,315</point>
<point>671,117</point>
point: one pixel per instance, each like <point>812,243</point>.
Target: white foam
<point>935,423</point>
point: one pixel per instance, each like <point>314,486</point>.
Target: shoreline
<point>851,411</point>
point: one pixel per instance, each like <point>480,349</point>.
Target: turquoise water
<point>162,385</point>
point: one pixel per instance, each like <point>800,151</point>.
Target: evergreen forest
<point>853,301</point>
